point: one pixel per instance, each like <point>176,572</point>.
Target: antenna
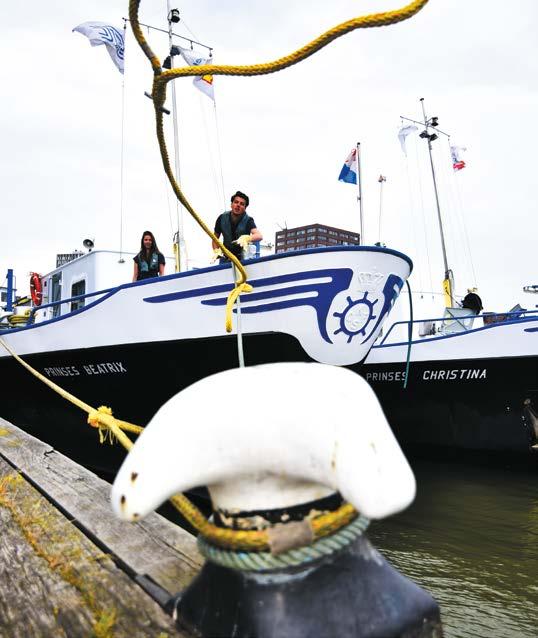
<point>88,243</point>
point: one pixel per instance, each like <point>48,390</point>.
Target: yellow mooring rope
<point>244,540</point>
<point>161,79</point>
<point>255,540</point>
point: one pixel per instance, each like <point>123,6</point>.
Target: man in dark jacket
<point>236,227</point>
<point>472,301</point>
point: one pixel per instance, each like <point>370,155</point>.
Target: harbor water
<point>471,539</point>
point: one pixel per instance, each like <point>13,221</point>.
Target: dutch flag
<point>349,170</point>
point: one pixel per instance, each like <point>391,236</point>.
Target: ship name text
<point>458,374</point>
<point>108,367</point>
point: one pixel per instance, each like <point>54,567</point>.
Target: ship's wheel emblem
<point>355,317</point>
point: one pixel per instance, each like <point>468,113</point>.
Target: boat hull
<point>458,403</point>
<point>135,346</point>
<point>134,380</point>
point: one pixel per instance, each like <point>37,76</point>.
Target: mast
<point>359,196</point>
<point>432,122</point>
<point>10,291</point>
<point>173,17</point>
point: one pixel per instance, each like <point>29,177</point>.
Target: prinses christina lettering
<point>458,374</point>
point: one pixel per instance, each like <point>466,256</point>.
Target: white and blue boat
<point>134,345</point>
<point>464,383</point>
<point>452,380</point>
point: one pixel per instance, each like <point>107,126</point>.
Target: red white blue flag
<point>349,171</point>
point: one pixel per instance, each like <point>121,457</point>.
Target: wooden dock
<point>68,566</point>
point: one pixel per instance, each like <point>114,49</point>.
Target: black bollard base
<point>354,593</point>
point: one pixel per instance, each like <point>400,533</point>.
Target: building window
<point>322,230</point>
<point>311,230</point>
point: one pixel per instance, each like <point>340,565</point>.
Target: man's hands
<point>217,252</point>
<point>243,241</point>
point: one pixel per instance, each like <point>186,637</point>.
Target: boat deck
<point>68,567</point>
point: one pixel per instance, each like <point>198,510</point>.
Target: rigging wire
<point>454,182</point>
<point>423,219</point>
<point>210,154</point>
<point>189,29</point>
<point>167,195</point>
<point>449,218</point>
<point>413,214</point>
<point>220,155</point>
<point>122,151</point>
<point>460,239</point>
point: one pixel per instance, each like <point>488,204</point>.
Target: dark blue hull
<point>134,380</point>
<point>460,406</point>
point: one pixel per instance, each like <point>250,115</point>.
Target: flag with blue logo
<point>349,170</point>
<point>99,33</point>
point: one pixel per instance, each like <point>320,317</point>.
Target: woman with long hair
<point>150,261</point>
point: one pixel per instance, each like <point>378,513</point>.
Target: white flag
<point>202,82</point>
<point>457,161</point>
<point>101,33</point>
<point>403,133</point>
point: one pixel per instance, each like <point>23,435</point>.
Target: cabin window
<point>78,288</point>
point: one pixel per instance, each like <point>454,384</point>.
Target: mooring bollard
<point>322,439</point>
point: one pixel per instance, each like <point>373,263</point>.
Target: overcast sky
<point>281,138</point>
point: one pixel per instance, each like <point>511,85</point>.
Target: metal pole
<point>9,300</point>
<point>447,271</point>
<point>122,164</point>
<point>179,208</point>
<point>359,183</point>
<point>382,179</point>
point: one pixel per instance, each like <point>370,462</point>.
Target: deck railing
<point>494,318</point>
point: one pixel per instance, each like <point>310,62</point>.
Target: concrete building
<point>313,236</point>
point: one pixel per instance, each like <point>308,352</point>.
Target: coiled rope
<point>264,561</point>
<point>161,79</point>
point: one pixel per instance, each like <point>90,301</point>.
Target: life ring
<point>36,289</point>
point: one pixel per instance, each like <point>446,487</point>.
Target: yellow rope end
<point>232,297</point>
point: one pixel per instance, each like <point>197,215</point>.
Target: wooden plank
<point>155,546</point>
<point>55,582</point>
